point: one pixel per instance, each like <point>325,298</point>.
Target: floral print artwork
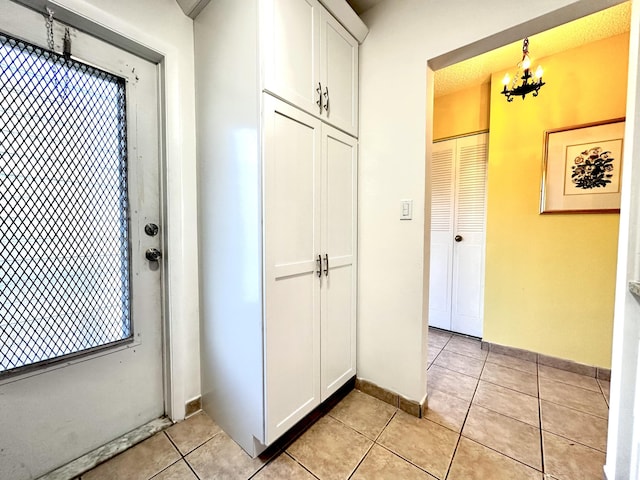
<point>593,169</point>
<point>582,168</point>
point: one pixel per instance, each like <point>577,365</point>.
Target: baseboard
<point>411,407</point>
<point>549,361</point>
<point>192,406</point>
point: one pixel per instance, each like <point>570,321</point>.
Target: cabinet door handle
<point>326,99</point>
<point>319,265</point>
<point>326,264</point>
<point>319,101</point>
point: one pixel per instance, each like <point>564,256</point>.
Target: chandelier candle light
<point>528,84</point>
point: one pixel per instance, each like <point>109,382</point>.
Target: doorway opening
<point>530,257</point>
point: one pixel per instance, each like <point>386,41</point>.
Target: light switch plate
<point>406,209</point>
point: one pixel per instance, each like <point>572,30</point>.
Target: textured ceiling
<point>477,70</point>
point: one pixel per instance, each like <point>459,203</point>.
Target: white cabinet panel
<point>292,171</point>
<point>339,68</point>
<point>291,46</point>
<point>292,368</point>
<point>338,343</point>
<point>338,294</point>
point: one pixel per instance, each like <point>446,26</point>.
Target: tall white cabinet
<point>278,212</point>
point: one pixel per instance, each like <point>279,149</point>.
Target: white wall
<point>403,36</point>
<point>624,435</point>
<point>162,26</point>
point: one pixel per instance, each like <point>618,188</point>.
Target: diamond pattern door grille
<point>64,234</point>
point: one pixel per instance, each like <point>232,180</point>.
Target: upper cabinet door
<point>339,69</point>
<point>291,51</point>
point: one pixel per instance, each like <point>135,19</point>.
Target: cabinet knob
<point>458,238</point>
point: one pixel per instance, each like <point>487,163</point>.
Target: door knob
<point>153,254</point>
<point>458,238</point>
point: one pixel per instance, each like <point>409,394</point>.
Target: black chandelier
<point>528,85</point>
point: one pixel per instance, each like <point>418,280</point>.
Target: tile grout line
<point>284,452</point>
<point>603,394</point>
<point>168,466</point>
<point>455,450</point>
<point>576,409</point>
<point>182,457</point>
<point>440,349</point>
<point>361,460</point>
<point>544,473</point>
<point>328,414</point>
<point>395,454</point>
<point>375,442</point>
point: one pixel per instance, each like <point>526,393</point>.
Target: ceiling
<point>477,70</point>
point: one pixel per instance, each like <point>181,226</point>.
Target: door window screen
<point>64,254</point>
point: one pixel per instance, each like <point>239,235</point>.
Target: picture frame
<point>582,168</point>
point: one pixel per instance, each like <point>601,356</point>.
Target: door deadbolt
<point>151,229</point>
<point>153,254</point>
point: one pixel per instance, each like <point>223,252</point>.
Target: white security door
<point>290,44</point>
<point>458,234</point>
<point>338,293</point>
<point>292,170</point>
<point>80,305</point>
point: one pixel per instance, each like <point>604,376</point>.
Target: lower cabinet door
<point>292,172</point>
<point>339,237</point>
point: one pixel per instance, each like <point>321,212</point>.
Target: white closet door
<point>338,309</point>
<point>458,212</point>
<point>339,66</point>
<point>467,300</point>
<point>292,170</point>
<point>442,195</point>
<point>291,50</point>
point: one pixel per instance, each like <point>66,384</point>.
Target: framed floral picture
<point>582,168</point>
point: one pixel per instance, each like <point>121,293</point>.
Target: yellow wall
<point>550,278</point>
<point>462,112</point>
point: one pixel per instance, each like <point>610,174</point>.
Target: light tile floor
<point>490,417</point>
